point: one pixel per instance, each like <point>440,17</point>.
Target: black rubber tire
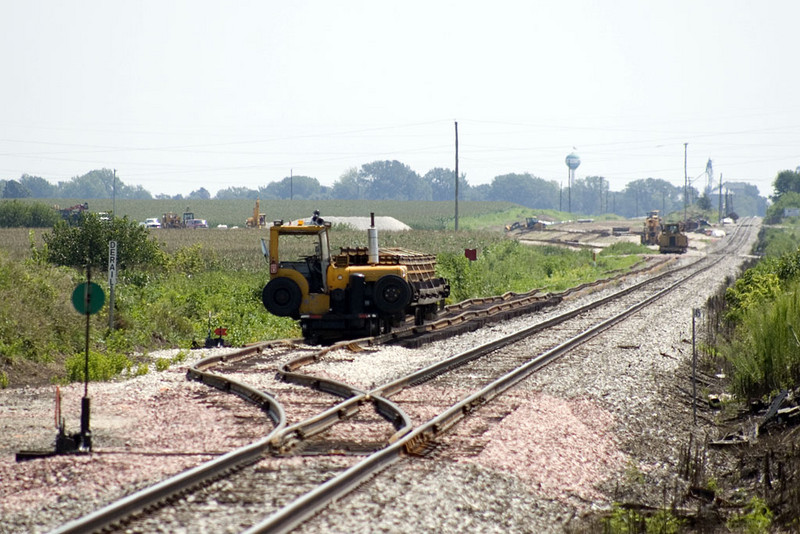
<point>282,297</point>
<point>391,294</point>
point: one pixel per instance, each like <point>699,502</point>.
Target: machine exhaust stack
<point>372,238</point>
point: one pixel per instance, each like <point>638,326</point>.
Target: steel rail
<point>167,488</point>
<point>404,441</point>
<point>310,503</point>
<point>390,411</point>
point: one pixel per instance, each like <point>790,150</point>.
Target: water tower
<point>573,161</point>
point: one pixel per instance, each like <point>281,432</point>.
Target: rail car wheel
<point>282,297</point>
<point>391,294</point>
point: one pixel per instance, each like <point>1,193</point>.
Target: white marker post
<point>696,314</point>
<point>112,280</point>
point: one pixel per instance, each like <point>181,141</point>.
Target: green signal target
<point>88,302</point>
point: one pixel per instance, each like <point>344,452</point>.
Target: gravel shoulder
<point>604,424</point>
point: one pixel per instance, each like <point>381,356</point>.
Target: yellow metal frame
<point>335,277</point>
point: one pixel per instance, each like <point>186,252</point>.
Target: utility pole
<point>720,197</point>
<point>569,191</point>
<point>291,184</point>
<point>685,182</point>
<point>456,123</point>
<point>114,196</point>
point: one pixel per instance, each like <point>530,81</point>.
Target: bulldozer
<point>362,291</point>
<point>672,239</point>
<point>652,228</point>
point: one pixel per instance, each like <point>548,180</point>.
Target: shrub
<point>765,353</point>
<point>192,260</point>
<point>623,248</point>
<point>624,521</point>
<point>37,321</point>
<point>14,213</point>
<point>101,366</point>
<point>511,266</point>
<point>77,246</point>
<point>756,520</point>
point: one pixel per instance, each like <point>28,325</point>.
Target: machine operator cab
<point>308,243</point>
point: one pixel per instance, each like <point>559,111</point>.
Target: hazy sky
<point>187,94</point>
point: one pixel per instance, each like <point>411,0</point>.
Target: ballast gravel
<point>603,423</point>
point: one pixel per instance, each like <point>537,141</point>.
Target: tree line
<point>393,180</point>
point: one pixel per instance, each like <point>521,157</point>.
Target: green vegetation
<point>626,521</point>
<point>757,518</point>
<point>775,242</point>
<point>16,214</point>
<point>511,266</point>
<point>395,182</point>
<point>421,215</point>
<point>87,244</point>
<point>102,366</point>
<point>176,286</point>
<point>763,305</point>
<point>623,248</point>
<point>37,321</point>
<point>765,352</point>
<point>788,200</point>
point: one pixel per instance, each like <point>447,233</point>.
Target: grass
<point>419,215</point>
<point>214,278</point>
<point>777,241</point>
<point>765,352</point>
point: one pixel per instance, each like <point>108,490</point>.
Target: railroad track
<point>406,437</point>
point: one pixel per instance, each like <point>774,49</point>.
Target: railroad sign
<point>88,302</point>
<point>112,263</point>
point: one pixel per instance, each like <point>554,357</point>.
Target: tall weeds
<point>765,351</point>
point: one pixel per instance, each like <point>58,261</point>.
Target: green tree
<point>775,212</point>
<point>641,196</point>
<point>14,189</point>
<point>16,214</point>
<point>94,184</point>
<point>39,187</point>
<point>102,183</point>
<point>135,192</point>
<point>392,180</point>
<point>443,185</point>
<point>200,194</point>
<point>40,215</point>
<point>589,195</point>
<point>88,243</point>
<point>13,214</point>
<point>525,189</point>
<point>786,182</point>
<point>704,203</point>
<point>296,187</point>
<point>347,187</point>
<point>236,193</point>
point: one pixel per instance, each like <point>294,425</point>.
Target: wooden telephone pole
<point>456,176</point>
